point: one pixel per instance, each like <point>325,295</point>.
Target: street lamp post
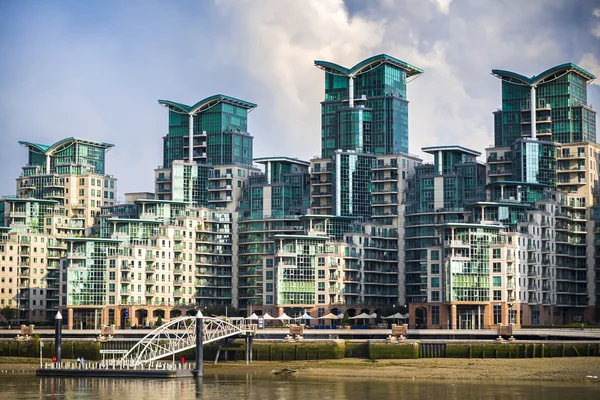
<point>199,339</point>
<point>58,338</point>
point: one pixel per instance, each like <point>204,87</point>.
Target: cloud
<point>590,63</point>
<point>78,69</point>
<point>596,28</point>
<point>442,5</point>
<point>286,38</point>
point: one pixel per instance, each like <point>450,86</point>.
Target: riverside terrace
<point>366,334</point>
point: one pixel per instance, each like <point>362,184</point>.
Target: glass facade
<point>352,183</point>
<point>438,193</point>
<point>271,204</point>
<point>376,120</point>
<point>562,113</point>
<point>219,132</point>
<point>67,156</point>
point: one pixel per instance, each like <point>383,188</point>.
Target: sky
<point>95,69</point>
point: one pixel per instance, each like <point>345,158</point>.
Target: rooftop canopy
<point>367,65</point>
<point>547,75</point>
<point>435,149</point>
<point>265,160</point>
<point>61,144</point>
<point>207,103</point>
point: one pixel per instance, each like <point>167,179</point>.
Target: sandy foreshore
<point>556,369</point>
<point>548,369</point>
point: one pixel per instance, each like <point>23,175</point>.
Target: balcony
<point>78,255</point>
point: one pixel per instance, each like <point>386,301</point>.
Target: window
<point>435,282</point>
<point>497,267</point>
<point>435,315</point>
<point>496,253</point>
<point>435,268</point>
<point>497,281</point>
<point>435,254</point>
<point>321,274</point>
<point>321,299</point>
<point>435,295</point>
<point>497,314</point>
<point>321,286</point>
<point>497,295</point>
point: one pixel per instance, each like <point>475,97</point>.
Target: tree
<point>8,313</point>
<point>159,321</point>
<point>346,319</point>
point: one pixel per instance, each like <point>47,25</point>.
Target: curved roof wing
<point>367,65</point>
<point>379,59</point>
<point>332,68</point>
<point>212,101</point>
<point>41,148</point>
<point>549,74</point>
<point>563,68</point>
<point>172,104</point>
<point>512,77</point>
<point>61,144</point>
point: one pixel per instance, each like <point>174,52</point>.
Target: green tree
<point>159,321</point>
<point>346,319</point>
<point>8,313</point>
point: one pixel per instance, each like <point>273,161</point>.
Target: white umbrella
<point>329,316</point>
<point>267,317</point>
<point>362,316</point>
<point>253,317</point>
<point>284,317</point>
<point>305,316</point>
<point>396,316</point>
<point>374,315</point>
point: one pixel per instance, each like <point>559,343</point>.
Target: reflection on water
<point>287,388</point>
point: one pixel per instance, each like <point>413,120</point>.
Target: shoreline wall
<point>330,350</point>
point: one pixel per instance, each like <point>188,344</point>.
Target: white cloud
<point>442,5</point>
<point>596,29</point>
<point>286,37</point>
<point>590,63</point>
<point>101,80</point>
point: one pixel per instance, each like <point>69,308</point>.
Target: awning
<point>253,317</point>
<point>329,316</point>
<point>362,316</point>
<point>284,317</point>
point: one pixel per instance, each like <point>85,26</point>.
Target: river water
<point>251,387</point>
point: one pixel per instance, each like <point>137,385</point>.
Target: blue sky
<point>95,69</point>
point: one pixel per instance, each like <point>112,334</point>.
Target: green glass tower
<point>212,131</point>
<point>560,113</point>
<point>65,157</point>
<point>365,107</point>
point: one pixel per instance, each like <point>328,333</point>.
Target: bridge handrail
<point>180,333</point>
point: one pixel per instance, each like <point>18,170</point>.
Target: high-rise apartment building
<point>272,204</point>
<point>551,106</point>
<point>364,227</point>
<point>72,173</point>
<point>213,131</point>
<point>365,107</point>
